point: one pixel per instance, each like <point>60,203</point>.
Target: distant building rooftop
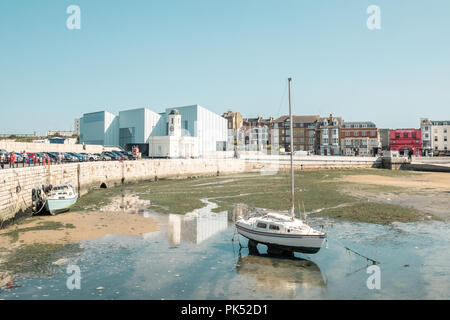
<point>299,119</point>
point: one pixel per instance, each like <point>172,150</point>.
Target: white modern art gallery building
<point>182,132</point>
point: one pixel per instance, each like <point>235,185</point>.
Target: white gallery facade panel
<point>199,131</point>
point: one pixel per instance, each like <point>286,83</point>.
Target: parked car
<point>77,156</point>
<point>85,156</point>
<point>40,156</point>
<point>19,157</point>
<point>131,156</point>
<point>68,157</point>
<point>112,155</point>
<point>105,157</point>
<point>53,156</point>
<point>93,157</point>
<point>120,155</point>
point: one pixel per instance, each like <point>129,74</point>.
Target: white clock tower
<point>174,123</point>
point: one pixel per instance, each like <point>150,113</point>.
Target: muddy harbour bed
<point>172,239</point>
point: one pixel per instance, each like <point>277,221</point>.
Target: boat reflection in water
<point>280,275</point>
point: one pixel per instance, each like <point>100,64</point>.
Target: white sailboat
<point>279,230</point>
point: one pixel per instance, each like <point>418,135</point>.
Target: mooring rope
<point>43,205</point>
<point>353,251</point>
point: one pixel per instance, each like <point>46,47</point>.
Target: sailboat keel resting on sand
<point>278,230</point>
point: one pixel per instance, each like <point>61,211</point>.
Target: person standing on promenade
<point>24,158</point>
<point>2,160</point>
<point>12,160</point>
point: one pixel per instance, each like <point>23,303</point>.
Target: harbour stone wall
<point>16,184</point>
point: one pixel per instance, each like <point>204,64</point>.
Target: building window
<point>356,133</point>
<point>435,138</point>
<point>363,133</point>
<point>347,134</point>
<point>405,135</point>
<point>372,133</point>
<point>126,136</point>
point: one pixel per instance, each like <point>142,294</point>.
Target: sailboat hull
<point>298,243</point>
<point>60,205</point>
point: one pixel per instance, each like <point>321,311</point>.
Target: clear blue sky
<point>223,54</point>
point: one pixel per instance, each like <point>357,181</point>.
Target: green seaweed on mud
<point>314,190</point>
<point>43,225</point>
<point>373,212</point>
<point>37,259</point>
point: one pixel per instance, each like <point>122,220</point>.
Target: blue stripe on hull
<point>290,236</point>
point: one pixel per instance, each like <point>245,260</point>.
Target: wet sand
<point>84,226</point>
<point>428,192</point>
<point>120,217</point>
<point>420,181</point>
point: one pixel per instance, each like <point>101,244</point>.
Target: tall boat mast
<point>292,150</point>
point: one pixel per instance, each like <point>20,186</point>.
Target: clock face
<point>171,128</point>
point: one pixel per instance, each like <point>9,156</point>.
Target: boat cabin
<point>62,190</point>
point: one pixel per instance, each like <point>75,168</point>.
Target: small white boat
<point>61,198</point>
<point>278,230</point>
<point>281,231</point>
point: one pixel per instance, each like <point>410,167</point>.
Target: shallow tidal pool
<point>194,257</point>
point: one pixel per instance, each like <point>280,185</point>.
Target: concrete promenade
<point>50,147</point>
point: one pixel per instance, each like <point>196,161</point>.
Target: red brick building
<point>406,141</point>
